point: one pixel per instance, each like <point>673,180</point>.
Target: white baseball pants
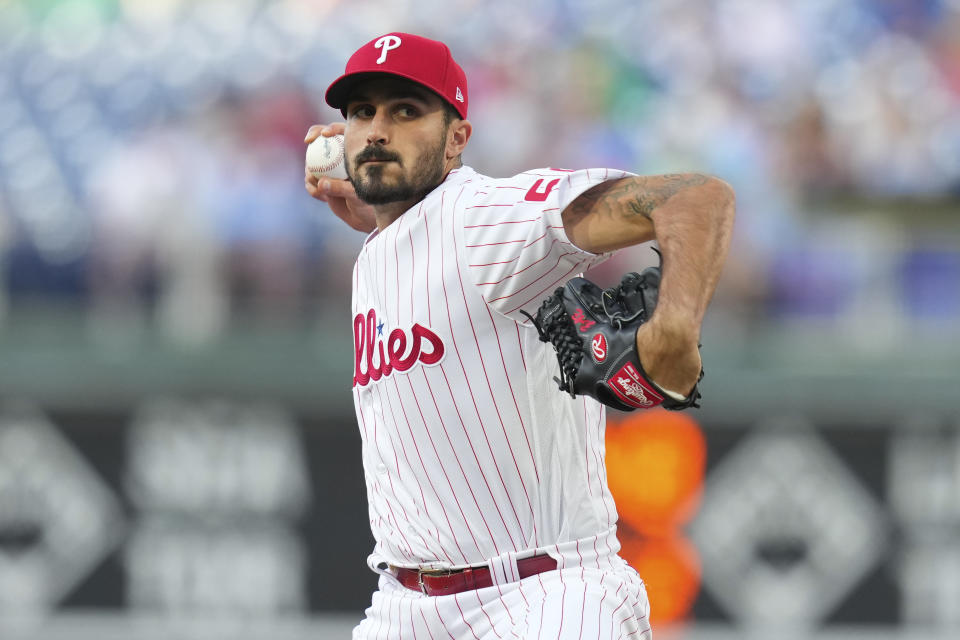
<point>608,603</point>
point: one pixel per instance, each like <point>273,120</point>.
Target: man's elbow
<point>722,196</point>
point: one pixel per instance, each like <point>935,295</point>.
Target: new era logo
<point>459,95</point>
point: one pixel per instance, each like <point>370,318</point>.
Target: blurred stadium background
<point>178,453</point>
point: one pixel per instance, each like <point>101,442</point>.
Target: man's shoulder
<point>528,176</point>
<point>534,187</point>
<point>486,187</point>
<point>468,175</point>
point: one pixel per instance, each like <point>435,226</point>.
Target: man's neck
<point>387,214</point>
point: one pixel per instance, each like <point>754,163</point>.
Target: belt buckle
<point>439,573</point>
<point>423,587</point>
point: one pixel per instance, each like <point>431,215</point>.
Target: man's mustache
<point>376,154</point>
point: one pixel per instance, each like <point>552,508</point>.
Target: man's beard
<point>372,189</point>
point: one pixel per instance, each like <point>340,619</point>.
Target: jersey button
<point>382,469</point>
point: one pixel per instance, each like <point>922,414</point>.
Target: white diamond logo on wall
<point>785,531</point>
<point>58,520</point>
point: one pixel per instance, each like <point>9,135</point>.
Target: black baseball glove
<point>594,332</point>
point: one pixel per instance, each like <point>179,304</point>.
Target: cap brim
<point>339,91</point>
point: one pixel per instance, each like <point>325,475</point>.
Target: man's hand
<point>669,354</point>
<point>338,194</point>
<point>603,344</point>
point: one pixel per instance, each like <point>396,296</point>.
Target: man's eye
<point>407,111</point>
<point>362,111</point>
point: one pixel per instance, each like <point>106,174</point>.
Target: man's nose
<point>379,132</point>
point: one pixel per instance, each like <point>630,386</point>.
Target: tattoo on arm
<point>620,213</point>
<point>634,196</point>
<point>648,193</point>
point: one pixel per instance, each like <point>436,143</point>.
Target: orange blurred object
<point>655,469</point>
<point>670,568</point>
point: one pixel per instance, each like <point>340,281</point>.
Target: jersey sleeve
<point>516,249</point>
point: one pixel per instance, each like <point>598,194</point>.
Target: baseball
<point>325,158</point>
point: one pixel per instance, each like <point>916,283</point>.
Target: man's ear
<point>457,137</point>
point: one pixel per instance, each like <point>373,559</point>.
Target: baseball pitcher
<point>483,363</point>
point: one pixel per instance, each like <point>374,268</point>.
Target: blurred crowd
<point>151,151</point>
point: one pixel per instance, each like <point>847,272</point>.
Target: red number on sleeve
<point>535,195</point>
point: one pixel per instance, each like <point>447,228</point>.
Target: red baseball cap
<point>424,61</point>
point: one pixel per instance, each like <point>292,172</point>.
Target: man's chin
<point>382,194</point>
<point>379,199</point>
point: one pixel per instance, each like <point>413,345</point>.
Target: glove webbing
<point>558,329</point>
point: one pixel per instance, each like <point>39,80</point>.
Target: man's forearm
<point>692,218</point>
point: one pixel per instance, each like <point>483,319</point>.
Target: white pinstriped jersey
<point>469,449</point>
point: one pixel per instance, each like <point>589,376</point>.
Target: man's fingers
<point>313,133</point>
<point>315,192</point>
<point>326,130</point>
<point>313,188</point>
<point>334,128</point>
<point>322,188</point>
<point>338,188</point>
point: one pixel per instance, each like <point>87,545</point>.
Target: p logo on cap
<point>387,43</point>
